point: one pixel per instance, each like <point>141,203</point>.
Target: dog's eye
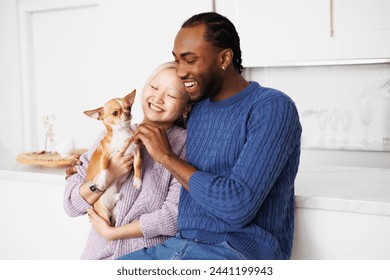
<point>115,113</point>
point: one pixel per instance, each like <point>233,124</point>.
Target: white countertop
<point>37,174</point>
<point>334,188</point>
<point>339,188</point>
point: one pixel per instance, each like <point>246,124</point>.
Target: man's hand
<point>155,141</point>
<point>73,169</point>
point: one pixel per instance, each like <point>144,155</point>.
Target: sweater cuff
<point>199,181</point>
<point>78,201</point>
<point>153,226</point>
<point>148,226</point>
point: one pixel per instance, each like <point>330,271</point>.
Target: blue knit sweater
<point>247,150</point>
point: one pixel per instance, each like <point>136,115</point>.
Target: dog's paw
<point>137,183</point>
<point>101,182</point>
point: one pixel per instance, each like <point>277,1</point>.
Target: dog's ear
<point>95,114</point>
<point>130,97</point>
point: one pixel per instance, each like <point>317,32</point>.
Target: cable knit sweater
<point>155,204</point>
<point>247,149</point>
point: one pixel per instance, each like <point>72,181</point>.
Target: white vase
<point>66,147</point>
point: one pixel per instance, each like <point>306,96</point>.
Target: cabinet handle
<point>331,18</point>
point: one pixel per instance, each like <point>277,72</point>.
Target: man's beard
<point>212,86</point>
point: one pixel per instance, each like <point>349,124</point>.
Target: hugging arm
<point>162,221</point>
<point>77,195</point>
<point>74,203</point>
<point>157,144</point>
<point>106,230</point>
<point>272,138</point>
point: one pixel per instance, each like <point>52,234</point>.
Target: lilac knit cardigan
<point>154,205</point>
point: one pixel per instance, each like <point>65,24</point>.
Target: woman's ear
<point>182,121</point>
<point>187,111</point>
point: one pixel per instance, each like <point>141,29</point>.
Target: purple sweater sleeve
<point>163,221</point>
<point>74,204</point>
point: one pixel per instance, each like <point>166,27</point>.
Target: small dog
<point>116,117</point>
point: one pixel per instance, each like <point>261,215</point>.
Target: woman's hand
<point>101,225</point>
<point>120,164</point>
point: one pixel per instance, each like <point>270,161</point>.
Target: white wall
<point>64,57</point>
<point>37,226</point>
<point>10,87</point>
<point>323,88</point>
<point>334,235</point>
<point>317,89</point>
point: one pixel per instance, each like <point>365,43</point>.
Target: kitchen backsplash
<point>341,107</point>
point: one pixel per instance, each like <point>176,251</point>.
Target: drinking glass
<point>346,125</point>
<point>334,120</point>
<point>322,123</point>
<point>365,118</point>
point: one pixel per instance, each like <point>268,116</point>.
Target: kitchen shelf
<point>337,62</point>
<point>359,147</point>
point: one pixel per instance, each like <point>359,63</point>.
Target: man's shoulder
<point>269,95</point>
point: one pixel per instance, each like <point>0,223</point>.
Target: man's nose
<point>181,71</point>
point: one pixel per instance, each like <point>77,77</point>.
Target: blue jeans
<point>178,248</point>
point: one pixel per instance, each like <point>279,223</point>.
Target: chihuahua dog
<point>116,117</point>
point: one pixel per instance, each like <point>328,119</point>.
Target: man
<point>243,148</point>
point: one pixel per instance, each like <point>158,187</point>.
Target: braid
<point>220,32</point>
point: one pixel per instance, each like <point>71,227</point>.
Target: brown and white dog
<point>116,117</point>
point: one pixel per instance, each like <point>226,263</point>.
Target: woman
<point>148,216</point>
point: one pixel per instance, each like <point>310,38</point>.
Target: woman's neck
<point>165,126</point>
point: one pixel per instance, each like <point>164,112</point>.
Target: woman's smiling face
<point>164,99</point>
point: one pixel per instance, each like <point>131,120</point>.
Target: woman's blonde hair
<point>158,70</point>
<point>166,66</point>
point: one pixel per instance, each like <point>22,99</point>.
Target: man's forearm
<point>179,168</point>
<point>157,144</point>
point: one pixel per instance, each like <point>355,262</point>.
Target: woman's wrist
<point>110,234</point>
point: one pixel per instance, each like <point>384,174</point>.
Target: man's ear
<point>225,57</point>
<point>95,113</point>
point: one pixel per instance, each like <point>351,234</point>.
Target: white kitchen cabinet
<point>34,223</point>
<point>366,25</point>
<point>285,32</point>
<point>338,235</point>
<point>342,213</point>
